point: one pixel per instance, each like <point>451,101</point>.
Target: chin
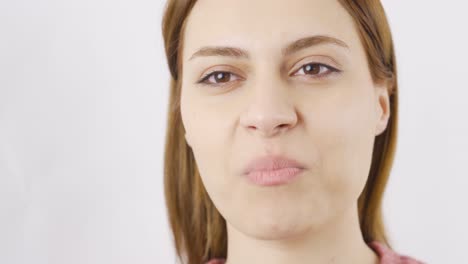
<point>276,229</point>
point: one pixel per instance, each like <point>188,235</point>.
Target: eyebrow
<point>291,48</point>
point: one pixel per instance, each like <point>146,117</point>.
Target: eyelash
<point>330,69</point>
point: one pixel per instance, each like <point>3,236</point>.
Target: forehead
<point>263,26</point>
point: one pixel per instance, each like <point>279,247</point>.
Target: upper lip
<point>272,162</point>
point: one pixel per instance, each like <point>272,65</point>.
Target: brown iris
<point>312,68</point>
<point>220,76</point>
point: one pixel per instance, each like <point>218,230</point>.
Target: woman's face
<point>315,103</point>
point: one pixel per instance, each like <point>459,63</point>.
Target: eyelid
<point>314,60</point>
<point>209,74</point>
<point>330,69</point>
<point>219,68</point>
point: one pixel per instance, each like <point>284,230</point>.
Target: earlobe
<point>187,140</point>
<point>383,109</point>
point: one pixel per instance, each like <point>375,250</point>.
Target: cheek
<point>199,120</point>
<point>342,128</point>
<point>207,131</point>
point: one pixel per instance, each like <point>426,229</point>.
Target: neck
<point>339,241</point>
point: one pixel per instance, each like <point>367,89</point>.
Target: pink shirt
<point>386,256</point>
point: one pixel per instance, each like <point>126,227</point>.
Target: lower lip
<point>273,177</point>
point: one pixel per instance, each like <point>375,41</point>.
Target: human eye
<point>217,78</point>
<point>317,70</point>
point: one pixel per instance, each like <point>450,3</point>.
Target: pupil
<point>221,76</point>
<point>312,68</point>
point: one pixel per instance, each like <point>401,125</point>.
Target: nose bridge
<point>269,95</point>
<point>271,109</point>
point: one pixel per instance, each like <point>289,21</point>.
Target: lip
<point>273,170</point>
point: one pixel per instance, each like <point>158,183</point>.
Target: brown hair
<point>198,228</point>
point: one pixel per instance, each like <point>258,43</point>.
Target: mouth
<point>273,170</point>
<point>274,177</point>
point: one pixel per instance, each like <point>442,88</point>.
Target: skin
<point>271,104</point>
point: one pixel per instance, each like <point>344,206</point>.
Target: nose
<point>270,111</point>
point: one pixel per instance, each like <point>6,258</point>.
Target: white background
<point>83,96</point>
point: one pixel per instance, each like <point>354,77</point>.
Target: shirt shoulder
<point>216,261</point>
<point>388,256</point>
